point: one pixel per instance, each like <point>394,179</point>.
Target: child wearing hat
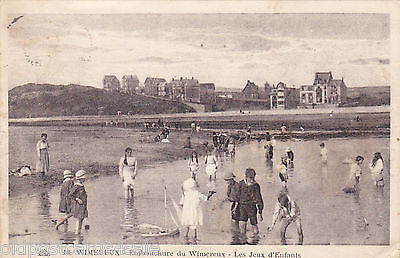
<point>79,200</point>
<point>192,215</point>
<point>65,198</point>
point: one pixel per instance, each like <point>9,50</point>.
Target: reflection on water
<point>329,216</point>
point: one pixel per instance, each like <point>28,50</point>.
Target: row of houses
<point>324,91</point>
<point>184,89</point>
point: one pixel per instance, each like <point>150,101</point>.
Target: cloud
<point>374,60</point>
<point>155,59</point>
<point>252,66</point>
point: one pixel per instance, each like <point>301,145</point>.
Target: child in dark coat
<point>65,198</point>
<point>79,200</point>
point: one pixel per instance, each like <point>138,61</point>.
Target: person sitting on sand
<point>376,168</point>
<point>192,215</point>
<point>127,172</point>
<point>65,205</point>
<point>355,172</point>
<point>79,200</point>
<point>42,149</point>
<point>287,210</point>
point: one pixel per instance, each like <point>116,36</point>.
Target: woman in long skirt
<point>376,168</point>
<point>42,149</point>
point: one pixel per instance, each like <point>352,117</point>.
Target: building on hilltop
<point>111,82</point>
<point>152,85</point>
<point>251,90</point>
<point>282,97</point>
<point>129,84</point>
<point>324,91</point>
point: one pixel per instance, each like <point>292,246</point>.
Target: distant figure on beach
<point>231,147</point>
<point>250,204</point>
<point>215,139</point>
<point>376,168</point>
<point>268,138</point>
<point>323,153</point>
<point>269,151</point>
<point>355,172</point>
<point>79,200</point>
<point>188,144</point>
<point>193,165</point>
<point>65,205</point>
<point>287,210</point>
<point>192,215</point>
<point>42,149</point>
<point>193,127</point>
<point>284,129</point>
<point>211,165</point>
<point>127,172</point>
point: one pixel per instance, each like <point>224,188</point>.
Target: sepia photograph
<point>198,128</point>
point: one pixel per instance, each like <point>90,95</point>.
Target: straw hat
<point>287,149</point>
<point>81,174</point>
<point>229,175</point>
<point>68,173</point>
<point>189,184</point>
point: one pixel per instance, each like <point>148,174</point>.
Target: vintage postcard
<point>200,128</point>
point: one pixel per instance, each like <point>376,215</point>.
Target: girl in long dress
<point>128,172</point>
<point>376,168</point>
<point>211,166</point>
<point>42,149</point>
<point>192,215</point>
<point>193,165</point>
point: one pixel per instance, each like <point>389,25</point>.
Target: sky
<point>227,49</point>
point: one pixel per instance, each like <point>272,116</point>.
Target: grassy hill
<point>368,96</point>
<point>44,100</point>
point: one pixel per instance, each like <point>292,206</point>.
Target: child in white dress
<point>128,172</point>
<point>192,215</point>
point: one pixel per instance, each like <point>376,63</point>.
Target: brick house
<point>111,82</point>
<point>283,97</point>
<point>251,90</point>
<point>151,85</point>
<point>129,84</point>
<point>324,91</point>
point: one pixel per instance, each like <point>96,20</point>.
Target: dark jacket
<point>250,194</point>
<point>65,198</point>
<point>79,211</point>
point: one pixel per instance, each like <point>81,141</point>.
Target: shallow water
<point>328,215</point>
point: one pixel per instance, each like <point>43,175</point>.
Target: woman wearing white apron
<point>127,172</point>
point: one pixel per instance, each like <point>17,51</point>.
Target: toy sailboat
<point>157,231</point>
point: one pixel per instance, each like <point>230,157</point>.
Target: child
<point>323,153</point>
<point>376,168</point>
<point>79,200</point>
<point>282,170</point>
<point>192,215</point>
<point>42,149</point>
<point>231,147</point>
<point>290,158</point>
<point>287,210</point>
<point>211,166</point>
<point>355,172</point>
<point>65,198</point>
<point>250,203</point>
<point>193,165</point>
<point>269,151</point>
<point>128,172</point>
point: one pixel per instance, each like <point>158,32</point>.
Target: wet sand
<point>329,216</point>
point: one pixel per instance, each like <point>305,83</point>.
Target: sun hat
<point>68,173</point>
<point>229,175</point>
<point>81,174</point>
<point>189,184</point>
<point>287,149</point>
